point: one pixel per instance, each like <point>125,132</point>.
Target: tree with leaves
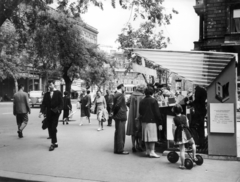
<point>147,35</point>
<point>143,37</point>
<point>59,45</point>
<point>99,70</point>
<point>12,58</point>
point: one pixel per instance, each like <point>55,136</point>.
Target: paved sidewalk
<point>86,155</point>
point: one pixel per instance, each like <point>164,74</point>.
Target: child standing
<point>182,134</point>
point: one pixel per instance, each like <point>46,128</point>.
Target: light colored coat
<point>20,103</point>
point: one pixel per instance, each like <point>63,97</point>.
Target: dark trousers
<point>109,109</point>
<point>119,136</point>
<point>52,126</point>
<point>65,114</point>
<point>198,122</point>
<point>201,131</point>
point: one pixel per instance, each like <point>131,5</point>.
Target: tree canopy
<point>52,40</point>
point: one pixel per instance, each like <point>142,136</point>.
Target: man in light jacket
<point>21,109</point>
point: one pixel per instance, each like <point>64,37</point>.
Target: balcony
<point>199,7</point>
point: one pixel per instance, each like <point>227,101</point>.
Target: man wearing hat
<point>120,117</point>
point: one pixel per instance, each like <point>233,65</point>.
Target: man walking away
<point>120,117</point>
<point>109,102</point>
<point>21,109</point>
<point>52,104</point>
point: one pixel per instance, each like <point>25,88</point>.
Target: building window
<point>236,20</point>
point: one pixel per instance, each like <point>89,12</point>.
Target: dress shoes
<point>122,153</point>
<point>140,149</point>
<point>20,135</point>
<point>49,138</point>
<point>134,149</point>
<point>53,146</point>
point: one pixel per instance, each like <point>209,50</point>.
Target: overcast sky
<point>183,30</point>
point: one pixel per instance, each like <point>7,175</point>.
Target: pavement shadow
<point>3,179</point>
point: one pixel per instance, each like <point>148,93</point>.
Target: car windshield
<point>35,94</point>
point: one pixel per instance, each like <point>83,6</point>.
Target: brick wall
<point>215,19</point>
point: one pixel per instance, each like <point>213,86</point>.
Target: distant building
<point>219,25</point>
<point>129,79</point>
<point>90,33</point>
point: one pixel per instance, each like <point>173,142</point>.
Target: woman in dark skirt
<point>85,106</point>
<point>67,106</point>
<point>182,133</point>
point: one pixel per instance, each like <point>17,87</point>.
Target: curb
<point>213,157</point>
<point>9,176</point>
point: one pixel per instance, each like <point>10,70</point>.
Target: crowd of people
<point>141,113</point>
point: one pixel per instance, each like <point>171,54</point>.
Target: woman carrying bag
<point>100,105</point>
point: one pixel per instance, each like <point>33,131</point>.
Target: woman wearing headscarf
<point>134,122</point>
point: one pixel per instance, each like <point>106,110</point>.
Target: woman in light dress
<point>100,107</point>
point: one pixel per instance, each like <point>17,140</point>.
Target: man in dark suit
<point>120,117</point>
<point>200,112</point>
<point>21,109</point>
<point>52,105</point>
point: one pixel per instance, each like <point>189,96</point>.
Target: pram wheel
<point>188,163</point>
<point>172,157</point>
<point>199,160</point>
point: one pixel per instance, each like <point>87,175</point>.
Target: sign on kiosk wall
<point>221,118</point>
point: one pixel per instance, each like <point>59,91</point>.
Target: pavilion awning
<point>197,66</point>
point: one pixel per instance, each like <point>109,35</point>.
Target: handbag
<point>93,109</point>
<point>78,105</point>
<point>44,124</point>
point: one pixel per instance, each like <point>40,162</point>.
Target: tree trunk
<point>145,78</point>
<point>16,84</point>
<point>68,82</point>
<point>153,80</point>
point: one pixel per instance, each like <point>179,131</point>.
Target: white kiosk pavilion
<point>218,73</point>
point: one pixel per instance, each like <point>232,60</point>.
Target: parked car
<point>35,97</point>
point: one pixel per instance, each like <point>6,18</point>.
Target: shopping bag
<point>93,109</point>
<point>78,105</point>
<point>71,114</point>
